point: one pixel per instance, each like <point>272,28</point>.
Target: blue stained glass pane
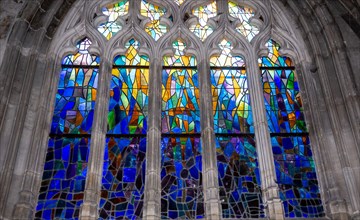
<point>123,181</point>
<point>66,161</point>
<point>181,179</point>
<point>77,87</point>
<point>239,182</point>
<point>296,176</point>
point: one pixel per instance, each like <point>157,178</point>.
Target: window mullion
<point>152,198</point>
<point>89,208</point>
<point>270,189</point>
<point>210,171</point>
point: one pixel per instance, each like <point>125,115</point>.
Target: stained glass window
<point>239,178</point>
<point>113,12</point>
<point>295,167</point>
<point>153,12</point>
<point>243,14</point>
<point>63,182</point>
<point>123,181</point>
<point>181,195</point>
<point>203,13</point>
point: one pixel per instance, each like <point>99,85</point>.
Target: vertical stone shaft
<point>209,167</point>
<point>89,209</point>
<point>152,205</point>
<point>263,143</point>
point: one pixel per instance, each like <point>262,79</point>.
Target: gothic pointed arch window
<point>183,132</point>
<point>295,167</point>
<point>63,181</point>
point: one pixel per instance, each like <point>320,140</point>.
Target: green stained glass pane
<point>243,14</point>
<point>154,13</point>
<point>113,12</point>
<point>203,13</point>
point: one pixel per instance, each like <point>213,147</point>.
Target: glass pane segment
<point>239,178</point>
<point>123,181</point>
<point>76,95</point>
<point>296,176</point>
<point>230,92</point>
<point>244,14</point>
<point>274,59</point>
<point>283,101</point>
<point>180,93</point>
<point>128,103</point>
<point>153,12</point>
<point>204,13</point>
<point>113,11</point>
<point>181,178</point>
<point>63,182</point>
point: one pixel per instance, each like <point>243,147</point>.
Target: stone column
<point>270,190</point>
<point>89,209</point>
<point>209,167</point>
<point>37,145</point>
<point>152,199</point>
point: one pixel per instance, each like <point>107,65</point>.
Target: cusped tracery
<point>204,13</point>
<point>114,12</point>
<point>243,15</point>
<point>154,28</point>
